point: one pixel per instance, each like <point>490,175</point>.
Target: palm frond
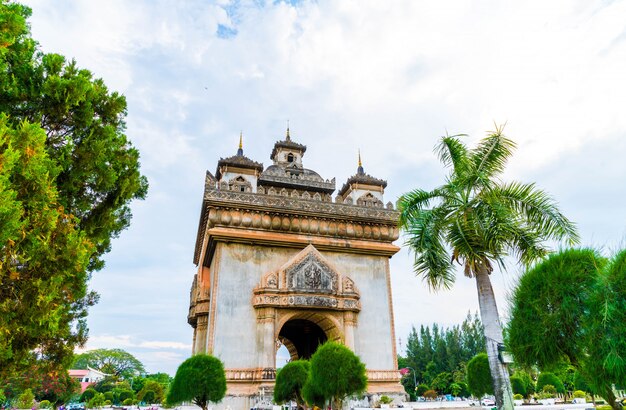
<point>490,156</point>
<point>535,208</point>
<point>425,239</point>
<point>412,203</point>
<point>452,152</point>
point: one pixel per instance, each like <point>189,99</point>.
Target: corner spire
<point>288,136</point>
<point>360,170</point>
<point>240,150</point>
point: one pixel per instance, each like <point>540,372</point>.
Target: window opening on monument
<point>290,158</point>
<point>304,335</point>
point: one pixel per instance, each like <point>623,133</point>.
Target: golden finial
<point>240,139</point>
<point>360,170</point>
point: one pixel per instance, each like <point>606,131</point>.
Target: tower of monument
<point>280,263</point>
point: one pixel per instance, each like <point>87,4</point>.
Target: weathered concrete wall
<point>238,339</point>
<point>373,333</point>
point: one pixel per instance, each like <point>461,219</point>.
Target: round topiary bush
<point>579,394</point>
<point>430,394</point>
<point>44,404</point>
<point>128,402</point>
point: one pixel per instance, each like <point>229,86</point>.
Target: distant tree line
<point>439,356</point>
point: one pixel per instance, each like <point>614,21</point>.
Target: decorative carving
<point>369,200</point>
<point>308,280</point>
<point>312,275</point>
<point>272,281</point>
<point>348,285</point>
<point>296,204</point>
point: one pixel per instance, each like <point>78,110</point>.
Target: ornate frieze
<point>299,205</point>
<point>308,280</point>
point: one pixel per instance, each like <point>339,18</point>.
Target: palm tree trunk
<point>493,336</point>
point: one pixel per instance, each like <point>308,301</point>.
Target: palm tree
<point>476,220</point>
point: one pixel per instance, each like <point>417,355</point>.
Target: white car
<point>487,402</point>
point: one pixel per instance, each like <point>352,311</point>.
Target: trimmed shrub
<point>518,397</point>
<point>552,379</point>
<point>430,394</point>
<point>549,389</point>
<point>385,399</point>
<point>45,404</point>
<point>127,402</point>
<point>518,386</point>
<point>26,400</point>
<point>88,394</point>
<point>579,394</point>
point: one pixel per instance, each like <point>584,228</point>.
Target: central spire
<point>360,170</point>
<point>288,136</point>
<point>240,150</point>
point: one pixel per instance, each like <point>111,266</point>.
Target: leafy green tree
<point>312,396</point>
<point>125,394</point>
<point>150,397</point>
<point>550,378</point>
<point>576,295</point>
<point>336,373</point>
<point>26,400</point>
<point>290,381</point>
<point>84,122</point>
<point>200,379</point>
<point>43,293</point>
<point>479,380</point>
<point>96,401</point>
<point>548,308</point>
<point>88,394</point>
<point>64,193</point>
<point>518,386</point>
<point>605,363</point>
<point>481,220</point>
<point>156,388</point>
<point>441,383</point>
<point>116,362</point>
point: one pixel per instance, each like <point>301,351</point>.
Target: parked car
<point>487,402</point>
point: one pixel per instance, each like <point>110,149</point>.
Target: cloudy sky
<point>388,77</point>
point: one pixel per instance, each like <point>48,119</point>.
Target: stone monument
<point>280,263</point>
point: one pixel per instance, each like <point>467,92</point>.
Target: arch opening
<point>302,337</point>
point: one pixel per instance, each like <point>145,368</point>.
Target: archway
<point>301,337</point>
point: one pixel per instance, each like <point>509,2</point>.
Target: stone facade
<point>280,255</point>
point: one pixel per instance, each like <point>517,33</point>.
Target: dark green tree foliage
<point>605,364</point>
<point>312,396</point>
<point>442,383</point>
<point>336,373</point>
<point>436,350</point>
<point>479,380</point>
<point>549,378</point>
<point>88,394</point>
<point>64,193</point>
<point>518,386</point>
<point>115,362</point>
<point>200,379</point>
<point>43,258</point>
<point>157,389</point>
<point>548,308</point>
<point>289,382</point>
<point>84,122</point>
